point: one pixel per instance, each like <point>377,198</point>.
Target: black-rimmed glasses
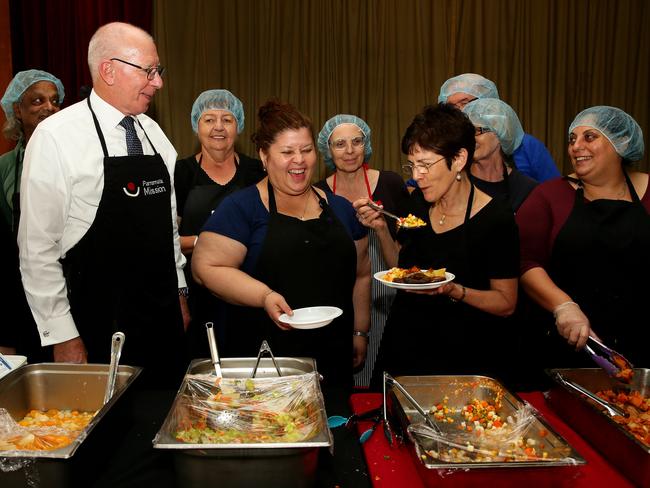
<point>151,71</point>
<point>481,130</point>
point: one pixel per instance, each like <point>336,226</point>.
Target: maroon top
<point>541,217</point>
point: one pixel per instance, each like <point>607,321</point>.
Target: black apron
<point>122,274</point>
<point>310,263</point>
<point>600,259</point>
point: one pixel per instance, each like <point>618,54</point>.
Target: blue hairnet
<point>469,83</point>
<point>217,100</point>
<point>617,126</point>
<point>21,82</point>
<point>498,116</point>
<point>333,123</point>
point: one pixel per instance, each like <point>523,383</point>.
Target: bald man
<point>99,248</point>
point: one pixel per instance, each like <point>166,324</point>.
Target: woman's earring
<point>264,168</point>
<point>458,176</point>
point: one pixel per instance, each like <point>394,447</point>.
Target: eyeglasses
<point>481,130</point>
<point>340,144</point>
<point>151,71</point>
<point>409,169</point>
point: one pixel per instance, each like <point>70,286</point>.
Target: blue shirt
<point>243,217</point>
<point>533,159</point>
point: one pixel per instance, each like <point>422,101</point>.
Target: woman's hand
<point>275,305</point>
<point>572,324</point>
<point>367,216</point>
<point>360,348</point>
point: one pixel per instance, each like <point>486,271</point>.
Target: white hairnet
<point>500,117</point>
<point>617,126</point>
<point>217,100</point>
<point>470,83</point>
<point>333,123</point>
<point>21,82</point>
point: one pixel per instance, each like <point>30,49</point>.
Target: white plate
<point>379,276</point>
<point>15,361</point>
<point>311,317</point>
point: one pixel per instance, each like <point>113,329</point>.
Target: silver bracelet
<point>360,333</point>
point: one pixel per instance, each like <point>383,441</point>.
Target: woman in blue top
<point>283,244</point>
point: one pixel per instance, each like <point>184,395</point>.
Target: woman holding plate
<point>281,245</point>
<point>461,326</point>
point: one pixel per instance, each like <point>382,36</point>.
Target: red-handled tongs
<point>614,363</point>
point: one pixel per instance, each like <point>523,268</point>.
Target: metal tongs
<point>389,380</point>
<point>611,409</point>
<point>117,343</point>
<point>611,361</point>
<point>265,348</point>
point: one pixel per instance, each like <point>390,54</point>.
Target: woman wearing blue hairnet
<point>531,156</point>
<point>30,98</point>
<point>201,182</point>
<point>346,145</point>
<point>498,135</point>
<point>585,241</point>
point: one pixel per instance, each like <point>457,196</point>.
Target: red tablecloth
<point>396,466</point>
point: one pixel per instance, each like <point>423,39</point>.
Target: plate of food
<point>414,278</point>
<point>311,317</point>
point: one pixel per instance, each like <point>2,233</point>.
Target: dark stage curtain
<point>53,35</point>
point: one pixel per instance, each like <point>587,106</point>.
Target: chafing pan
<point>227,465</point>
<point>459,391</point>
<point>57,386</point>
<point>617,445</point>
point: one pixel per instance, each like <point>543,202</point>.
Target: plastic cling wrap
<point>215,410</point>
<point>478,424</point>
<point>41,431</point>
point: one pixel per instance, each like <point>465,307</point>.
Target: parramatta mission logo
<point>148,188</point>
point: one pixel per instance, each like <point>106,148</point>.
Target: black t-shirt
<point>189,174</point>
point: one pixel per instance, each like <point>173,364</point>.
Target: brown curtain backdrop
<point>383,60</point>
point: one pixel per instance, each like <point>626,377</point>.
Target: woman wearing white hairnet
<point>498,135</point>
<point>30,98</point>
<point>585,241</point>
<point>201,182</point>
<point>346,145</point>
<point>531,157</point>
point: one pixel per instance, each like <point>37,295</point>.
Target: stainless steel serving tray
<point>61,386</point>
<point>290,465</point>
<point>618,446</point>
<point>242,368</point>
<point>460,391</point>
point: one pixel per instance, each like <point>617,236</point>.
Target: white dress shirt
<point>60,190</point>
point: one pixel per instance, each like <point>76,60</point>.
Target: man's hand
<point>72,351</point>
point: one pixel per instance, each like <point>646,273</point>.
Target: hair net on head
<point>217,100</point>
<point>21,82</point>
<point>470,83</point>
<point>498,116</point>
<point>617,126</point>
<point>326,132</point>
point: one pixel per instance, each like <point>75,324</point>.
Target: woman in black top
<point>460,327</point>
<point>201,182</point>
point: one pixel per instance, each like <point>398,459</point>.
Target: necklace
<point>304,212</point>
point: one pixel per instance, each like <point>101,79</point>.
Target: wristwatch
<point>361,334</point>
<point>184,292</point>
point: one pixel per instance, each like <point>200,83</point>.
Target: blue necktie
<point>133,144</point>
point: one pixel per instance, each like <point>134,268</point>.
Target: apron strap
<point>98,129</point>
<point>273,209</point>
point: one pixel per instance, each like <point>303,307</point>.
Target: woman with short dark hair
<point>460,326</point>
